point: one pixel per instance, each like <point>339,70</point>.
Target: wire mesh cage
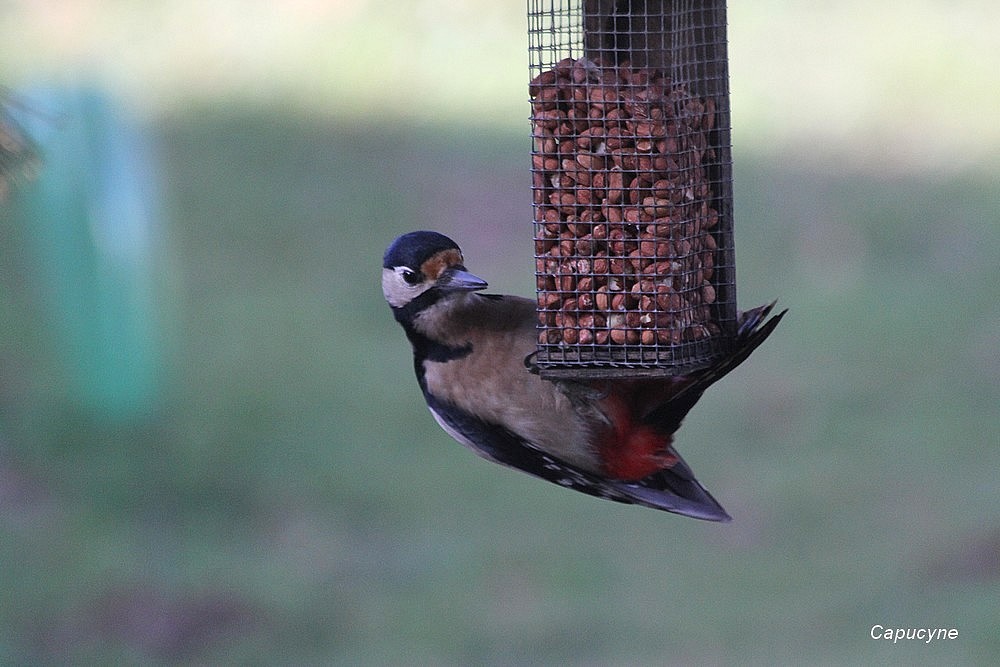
<point>632,186</point>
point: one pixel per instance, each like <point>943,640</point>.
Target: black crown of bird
<point>607,438</point>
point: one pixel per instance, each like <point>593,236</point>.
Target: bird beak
<point>460,280</point>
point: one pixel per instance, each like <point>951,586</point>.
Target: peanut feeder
<point>632,186</point>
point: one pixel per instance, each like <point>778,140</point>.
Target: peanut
<point>625,240</point>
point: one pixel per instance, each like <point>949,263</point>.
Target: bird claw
<point>531,364</point>
<point>584,398</point>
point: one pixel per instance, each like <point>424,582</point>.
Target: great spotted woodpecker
<point>611,438</point>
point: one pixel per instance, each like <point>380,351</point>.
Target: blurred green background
<point>228,460</point>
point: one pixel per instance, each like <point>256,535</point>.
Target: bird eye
<point>410,277</point>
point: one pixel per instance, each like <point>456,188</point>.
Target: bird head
<point>424,267</point>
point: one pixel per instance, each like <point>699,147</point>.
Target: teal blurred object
<point>90,219</point>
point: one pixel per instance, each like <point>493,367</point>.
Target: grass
<point>292,501</point>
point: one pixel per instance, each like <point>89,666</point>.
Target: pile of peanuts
<point>623,205</point>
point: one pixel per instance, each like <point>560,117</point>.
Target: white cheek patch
<point>396,290</point>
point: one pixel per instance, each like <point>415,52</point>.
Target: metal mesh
<point>632,185</point>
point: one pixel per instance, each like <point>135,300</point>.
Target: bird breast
<point>492,383</point>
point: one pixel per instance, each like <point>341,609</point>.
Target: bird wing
<point>674,489</point>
